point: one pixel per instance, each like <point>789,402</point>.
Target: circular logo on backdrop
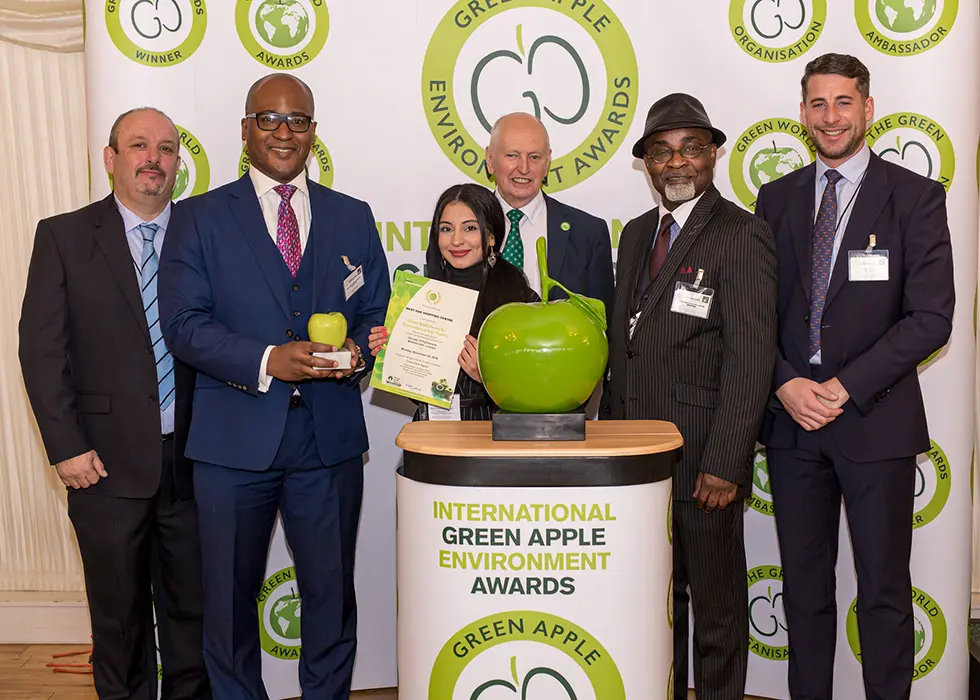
<point>775,31</point>
<point>319,165</point>
<point>282,34</point>
<point>760,500</point>
<point>915,142</point>
<point>932,485</point>
<point>571,65</point>
<point>156,32</point>
<point>194,172</point>
<point>766,151</point>
<point>929,624</point>
<point>904,27</point>
<point>280,613</point>
<point>767,622</point>
<point>194,175</point>
<point>492,654</point>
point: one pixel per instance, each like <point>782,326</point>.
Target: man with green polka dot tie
<point>579,250</point>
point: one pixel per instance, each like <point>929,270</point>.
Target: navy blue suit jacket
<point>580,253</point>
<point>874,334</point>
<point>222,302</point>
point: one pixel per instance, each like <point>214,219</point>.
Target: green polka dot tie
<point>513,251</point>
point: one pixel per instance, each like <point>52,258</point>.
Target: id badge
<point>867,266</point>
<point>451,413</point>
<point>354,281</point>
<point>692,299</point>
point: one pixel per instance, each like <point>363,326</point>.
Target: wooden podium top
<point>620,438</point>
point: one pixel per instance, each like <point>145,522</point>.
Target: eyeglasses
<point>690,150</point>
<point>270,121</point>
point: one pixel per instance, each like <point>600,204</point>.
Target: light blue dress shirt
<point>134,238</point>
<point>852,175</point>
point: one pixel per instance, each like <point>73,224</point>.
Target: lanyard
<point>843,213</point>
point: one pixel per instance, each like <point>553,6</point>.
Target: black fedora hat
<point>677,111</point>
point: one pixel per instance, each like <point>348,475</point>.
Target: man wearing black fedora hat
<point>692,341</point>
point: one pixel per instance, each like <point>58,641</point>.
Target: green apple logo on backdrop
<point>772,163</point>
<point>768,636</point>
<point>519,59</point>
<point>768,20</point>
<point>760,499</point>
<point>282,23</point>
<point>571,64</point>
<point>904,27</point>
<point>542,689</point>
<point>912,155</point>
<point>904,16</point>
<point>917,142</point>
<point>156,33</point>
<point>280,611</point>
<point>286,615</point>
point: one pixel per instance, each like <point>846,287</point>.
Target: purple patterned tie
<point>287,230</point>
<point>823,250</point>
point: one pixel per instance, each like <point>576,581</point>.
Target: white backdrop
<point>404,89</point>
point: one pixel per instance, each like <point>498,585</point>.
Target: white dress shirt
<point>269,201</point>
<point>131,222</point>
<point>852,175</point>
<point>533,225</point>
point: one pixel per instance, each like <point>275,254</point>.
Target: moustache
<point>151,169</point>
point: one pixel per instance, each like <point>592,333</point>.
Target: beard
<point>852,146</point>
<point>149,190</point>
<point>680,193</point>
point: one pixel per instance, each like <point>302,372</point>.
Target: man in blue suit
<point>579,250</point>
<point>275,429</point>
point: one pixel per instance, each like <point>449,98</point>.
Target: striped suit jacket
<point>710,377</point>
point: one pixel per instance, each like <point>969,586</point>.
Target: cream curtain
<point>55,25</point>
<point>44,168</point>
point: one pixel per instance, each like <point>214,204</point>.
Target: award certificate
<point>427,322</point>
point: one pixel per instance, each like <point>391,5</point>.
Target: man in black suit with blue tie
<point>865,295</point>
<point>579,249</point>
<point>113,407</point>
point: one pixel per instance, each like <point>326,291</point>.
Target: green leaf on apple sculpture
<point>544,357</point>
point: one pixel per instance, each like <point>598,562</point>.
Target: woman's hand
<point>377,339</point>
<point>467,359</point>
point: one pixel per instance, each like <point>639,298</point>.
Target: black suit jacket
<point>874,334</point>
<point>710,377</point>
<point>579,253</point>
<point>86,355</point>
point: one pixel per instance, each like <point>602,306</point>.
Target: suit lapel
<point>325,254</point>
<point>557,216</point>
<point>800,212</point>
<point>110,235</point>
<point>245,208</point>
<point>699,217</point>
<point>871,198</point>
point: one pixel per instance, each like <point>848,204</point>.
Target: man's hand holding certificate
<point>427,324</point>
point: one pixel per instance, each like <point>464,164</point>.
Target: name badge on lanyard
<point>354,281</point>
<point>868,265</point>
<point>692,299</point>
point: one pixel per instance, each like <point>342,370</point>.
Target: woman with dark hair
<point>464,249</point>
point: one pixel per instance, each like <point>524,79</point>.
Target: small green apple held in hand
<point>329,329</point>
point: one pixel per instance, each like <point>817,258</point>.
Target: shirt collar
<point>681,213</point>
<point>131,219</point>
<point>264,184</point>
<point>532,210</point>
<point>851,169</point>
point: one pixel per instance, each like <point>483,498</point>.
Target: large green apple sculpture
<point>545,357</point>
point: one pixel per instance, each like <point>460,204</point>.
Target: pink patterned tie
<point>287,231</point>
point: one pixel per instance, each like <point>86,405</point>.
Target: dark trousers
<point>141,555</point>
<point>709,571</point>
<point>807,486</point>
<point>320,507</point>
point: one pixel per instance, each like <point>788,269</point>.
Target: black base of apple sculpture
<point>548,427</point>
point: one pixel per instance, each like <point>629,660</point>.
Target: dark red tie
<point>660,246</point>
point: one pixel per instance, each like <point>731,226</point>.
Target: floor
<point>24,675</point>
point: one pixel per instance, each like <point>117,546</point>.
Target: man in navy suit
<point>275,428</point>
<point>865,295</point>
<point>579,250</point>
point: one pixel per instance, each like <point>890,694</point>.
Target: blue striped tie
<point>149,265</point>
